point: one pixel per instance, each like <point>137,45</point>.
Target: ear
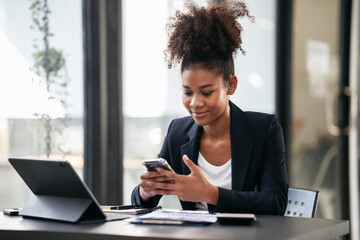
<point>232,85</point>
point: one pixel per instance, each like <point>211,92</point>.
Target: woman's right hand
<point>146,180</point>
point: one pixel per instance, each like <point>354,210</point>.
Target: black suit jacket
<point>259,176</point>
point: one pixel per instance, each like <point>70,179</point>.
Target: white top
<point>219,176</point>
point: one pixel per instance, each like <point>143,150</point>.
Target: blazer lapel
<point>241,147</point>
<point>191,148</point>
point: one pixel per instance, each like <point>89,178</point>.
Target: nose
<point>196,101</point>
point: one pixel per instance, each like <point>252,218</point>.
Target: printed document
<point>175,216</point>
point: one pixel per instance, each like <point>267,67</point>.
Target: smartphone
<point>236,218</point>
<point>11,211</point>
<point>151,164</point>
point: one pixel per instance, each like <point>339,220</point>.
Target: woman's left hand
<point>193,187</point>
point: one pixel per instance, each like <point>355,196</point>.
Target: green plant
<point>50,65</point>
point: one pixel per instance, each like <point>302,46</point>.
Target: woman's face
<point>205,96</point>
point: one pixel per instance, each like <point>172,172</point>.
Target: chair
<point>301,203</point>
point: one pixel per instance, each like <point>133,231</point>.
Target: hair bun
<point>206,33</point>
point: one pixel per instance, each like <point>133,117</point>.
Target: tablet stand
<point>62,209</point>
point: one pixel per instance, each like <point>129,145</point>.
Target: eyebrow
<point>201,87</point>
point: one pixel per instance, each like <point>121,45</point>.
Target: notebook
<point>59,193</point>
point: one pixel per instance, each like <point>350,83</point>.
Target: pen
<point>147,210</point>
<point>123,207</point>
<point>156,208</point>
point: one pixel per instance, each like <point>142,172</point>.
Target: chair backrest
<point>301,203</point>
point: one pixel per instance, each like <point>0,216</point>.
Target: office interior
<point>109,105</point>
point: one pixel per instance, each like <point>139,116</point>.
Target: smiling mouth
<point>199,114</point>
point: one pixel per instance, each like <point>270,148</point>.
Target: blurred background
<point>106,97</point>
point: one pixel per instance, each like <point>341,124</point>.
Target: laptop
<point>59,193</point>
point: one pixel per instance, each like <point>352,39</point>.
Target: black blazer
<point>259,176</point>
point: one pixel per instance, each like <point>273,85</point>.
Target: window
<point>315,146</point>
<point>23,93</point>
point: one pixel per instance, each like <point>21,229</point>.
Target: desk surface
<point>266,227</point>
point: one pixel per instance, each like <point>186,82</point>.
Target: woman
<point>225,160</point>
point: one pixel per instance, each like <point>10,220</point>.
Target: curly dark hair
<point>206,36</point>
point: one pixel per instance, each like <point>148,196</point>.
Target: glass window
<point>256,70</point>
<point>152,93</point>
<point>314,150</point>
<point>24,93</point>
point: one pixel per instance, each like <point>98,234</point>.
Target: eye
<point>186,93</point>
<point>206,94</point>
